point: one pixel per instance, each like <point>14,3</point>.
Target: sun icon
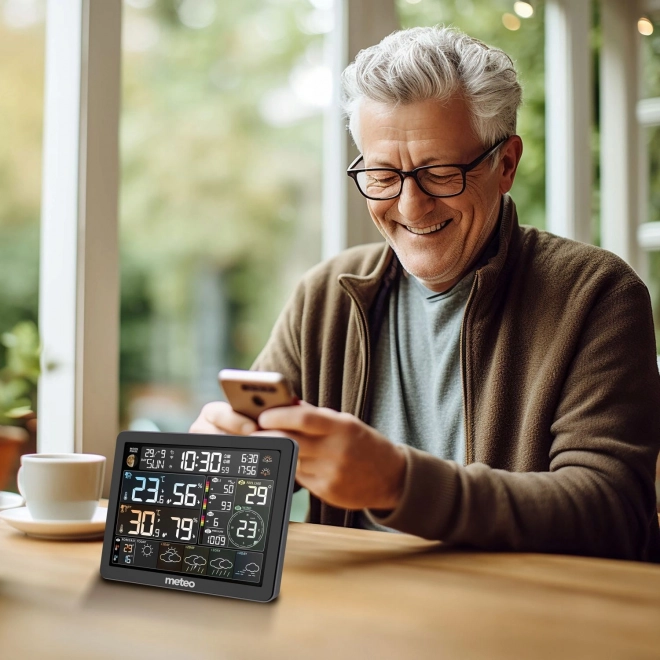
<point>147,550</point>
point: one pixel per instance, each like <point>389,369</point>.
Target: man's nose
<point>414,203</point>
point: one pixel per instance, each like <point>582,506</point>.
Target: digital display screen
<point>195,510</point>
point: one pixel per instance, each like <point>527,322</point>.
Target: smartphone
<point>252,392</point>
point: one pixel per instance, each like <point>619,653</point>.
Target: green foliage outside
<point>18,379</point>
<point>208,185</point>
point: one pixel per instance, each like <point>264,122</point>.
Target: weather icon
<point>267,459</point>
<point>170,556</point>
<point>196,561</point>
<point>252,568</point>
<point>147,550</point>
<point>221,564</point>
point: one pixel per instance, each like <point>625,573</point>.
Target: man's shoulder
<point>564,261</point>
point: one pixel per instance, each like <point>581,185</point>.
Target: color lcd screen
<point>203,511</point>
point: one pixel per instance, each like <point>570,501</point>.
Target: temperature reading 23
<point>245,529</point>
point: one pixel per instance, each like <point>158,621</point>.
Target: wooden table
<point>345,594</point>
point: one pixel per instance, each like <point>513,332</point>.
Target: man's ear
<point>509,158</point>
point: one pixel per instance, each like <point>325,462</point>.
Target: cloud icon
<point>195,561</point>
<point>170,556</point>
<point>252,568</point>
<point>221,564</point>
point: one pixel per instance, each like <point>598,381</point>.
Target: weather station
<point>201,513</point>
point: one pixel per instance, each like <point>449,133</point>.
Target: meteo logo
<point>180,582</point>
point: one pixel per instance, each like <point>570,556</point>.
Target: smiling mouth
<point>428,230</point>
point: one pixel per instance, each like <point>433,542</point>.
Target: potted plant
<point>18,393</point>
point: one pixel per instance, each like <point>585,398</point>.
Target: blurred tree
<point>210,179</point>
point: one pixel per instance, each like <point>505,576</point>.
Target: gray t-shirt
<point>417,395</point>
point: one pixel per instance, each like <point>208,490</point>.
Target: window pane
<point>221,135</point>
<point>22,39</point>
<point>650,54</point>
<point>653,215</point>
<point>523,40</point>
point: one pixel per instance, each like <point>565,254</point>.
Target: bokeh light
<point>645,26</point>
<point>510,22</point>
<point>523,9</point>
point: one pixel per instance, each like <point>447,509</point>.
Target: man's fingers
<point>221,415</point>
<point>202,426</point>
<point>303,418</point>
<point>308,446</point>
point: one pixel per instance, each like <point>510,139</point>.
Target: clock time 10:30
<point>200,461</point>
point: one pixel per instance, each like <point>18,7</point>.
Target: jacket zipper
<point>469,452</point>
<point>365,383</point>
<point>350,515</point>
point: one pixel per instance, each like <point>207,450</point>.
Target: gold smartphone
<point>251,392</point>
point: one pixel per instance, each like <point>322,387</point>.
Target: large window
<point>22,35</point>
<point>221,132</point>
<point>21,119</point>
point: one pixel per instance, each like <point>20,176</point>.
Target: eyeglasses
<point>435,180</point>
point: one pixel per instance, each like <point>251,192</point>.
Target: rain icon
<point>195,561</point>
<point>170,556</point>
<point>221,564</point>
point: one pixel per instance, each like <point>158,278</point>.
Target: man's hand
<point>341,460</point>
<point>219,417</point>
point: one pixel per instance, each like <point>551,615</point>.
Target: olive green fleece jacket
<point>560,387</point>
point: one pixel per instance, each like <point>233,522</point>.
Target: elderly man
<point>471,380</point>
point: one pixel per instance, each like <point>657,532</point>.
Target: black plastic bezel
<point>277,530</point>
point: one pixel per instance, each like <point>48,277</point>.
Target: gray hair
<point>425,63</point>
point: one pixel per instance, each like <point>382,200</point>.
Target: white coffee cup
<point>61,486</point>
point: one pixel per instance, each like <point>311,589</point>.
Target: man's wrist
<point>396,481</point>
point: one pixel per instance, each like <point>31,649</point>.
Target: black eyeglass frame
<point>353,172</point>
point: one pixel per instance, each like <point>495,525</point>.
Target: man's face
<point>425,133</point>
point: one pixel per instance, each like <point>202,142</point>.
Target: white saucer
<point>56,530</point>
<point>9,500</point>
